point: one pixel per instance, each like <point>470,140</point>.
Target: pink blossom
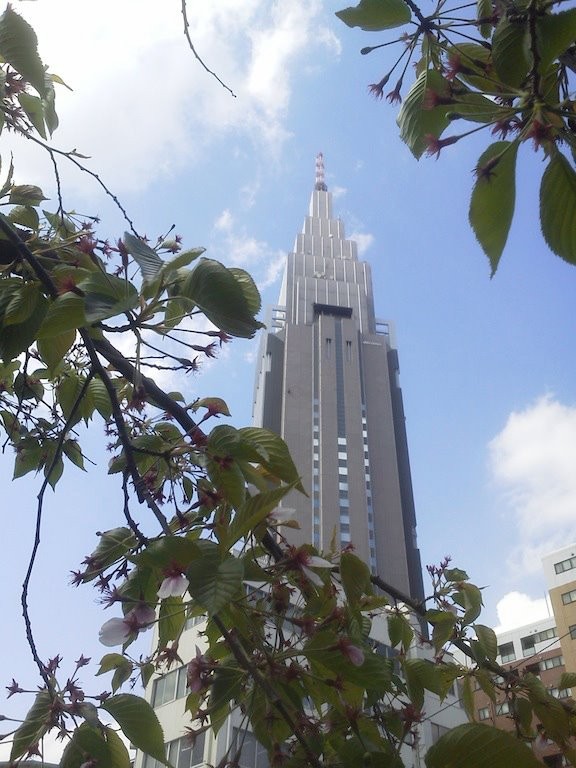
<point>353,653</point>
<point>306,562</point>
<point>117,631</point>
<point>174,585</point>
<point>198,672</point>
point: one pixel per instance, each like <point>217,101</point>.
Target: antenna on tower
<point>320,183</point>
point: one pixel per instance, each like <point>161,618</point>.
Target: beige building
<point>560,573</point>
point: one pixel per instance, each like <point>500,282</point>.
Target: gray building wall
<point>328,382</point>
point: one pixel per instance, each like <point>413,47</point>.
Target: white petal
<point>173,586</point>
<point>314,561</point>
<point>114,632</point>
<point>313,577</point>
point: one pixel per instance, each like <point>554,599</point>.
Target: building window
<point>560,693</point>
<point>170,686</point>
<point>181,753</point>
<point>569,597</point>
<point>565,565</point>
<point>506,652</point>
<point>438,731</point>
<point>572,630</point>
<point>194,620</point>
<point>484,713</point>
<point>503,708</point>
<point>252,753</point>
<point>328,349</point>
<point>530,641</point>
<point>553,661</point>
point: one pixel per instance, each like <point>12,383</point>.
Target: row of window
<point>565,565</point>
<point>503,708</point>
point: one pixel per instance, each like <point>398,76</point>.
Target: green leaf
<point>138,722</point>
<point>420,675</point>
<point>181,260</point>
<point>556,32</point>
<point>36,723</point>
<point>480,746</point>
<point>400,630</point>
<point>68,394</point>
<point>112,545</point>
<point>102,745</point>
<point>22,335</point>
<point>111,661</point>
<point>98,394</point>
<point>33,108</point>
<point>22,304</point>
<point>53,350</point>
<point>567,680</point>
<point>214,580</point>
<point>26,194</point>
<point>558,207</point>
<point>253,512</point>
<point>19,48</point>
<point>493,199</point>
<point>375,15</point>
<point>24,215</point>
<point>28,458</point>
<point>375,674</point>
<point>455,574</point>
<point>484,11</point>
<point>107,296</point>
<point>64,314</point>
<point>355,576</point>
<point>487,640</point>
<point>251,292</point>
<point>416,122</point>
<point>171,620</point>
<point>146,258</point>
<point>216,291</point>
<point>227,684</point>
<point>442,631</point>
<point>511,50</point>
<point>73,452</point>
<point>277,458</point>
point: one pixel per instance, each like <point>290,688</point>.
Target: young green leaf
<point>19,48</point>
<point>416,122</point>
<point>146,258</point>
<point>493,199</point>
<point>480,746</point>
<point>139,723</point>
<point>34,726</point>
<point>375,15</point>
<point>558,207</point>
<point>214,580</point>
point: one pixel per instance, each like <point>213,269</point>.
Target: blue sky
<point>487,366</point>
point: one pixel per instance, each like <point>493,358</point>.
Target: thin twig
<point>193,49</point>
<point>39,509</point>
<point>262,682</point>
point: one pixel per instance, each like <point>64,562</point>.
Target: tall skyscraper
<point>328,383</point>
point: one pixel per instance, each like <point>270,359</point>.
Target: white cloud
<point>143,107</point>
<point>364,240</point>
<point>338,192</point>
<point>516,609</point>
<point>532,463</point>
<point>240,249</point>
<point>224,221</point>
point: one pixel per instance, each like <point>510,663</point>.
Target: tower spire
<point>320,183</point>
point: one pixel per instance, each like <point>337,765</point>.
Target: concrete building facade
<point>327,381</point>
<point>545,648</point>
